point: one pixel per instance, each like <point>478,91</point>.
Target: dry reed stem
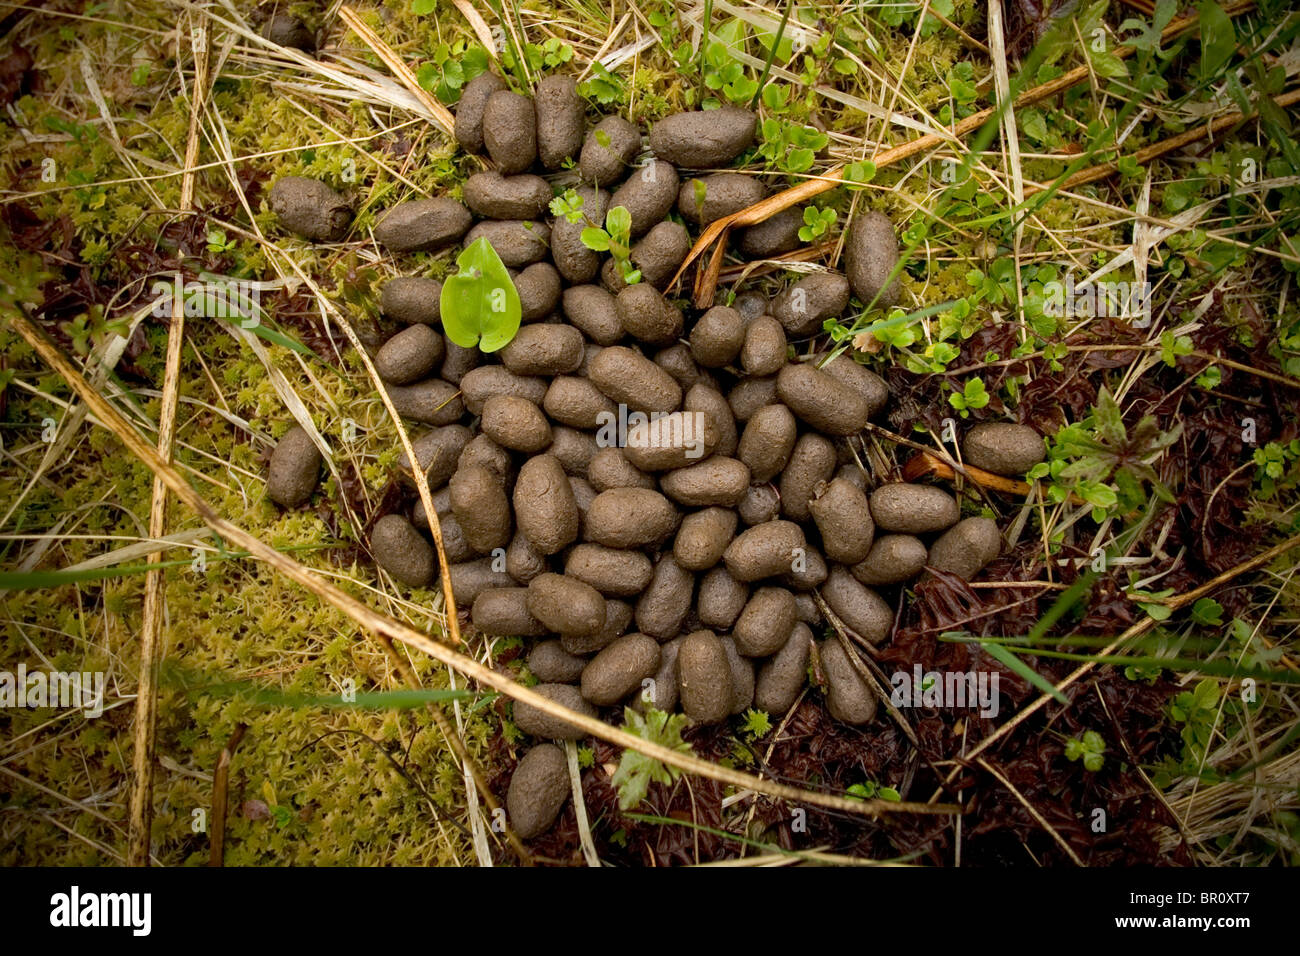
<point>140,811</point>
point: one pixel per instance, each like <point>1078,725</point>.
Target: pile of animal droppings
<point>650,496</point>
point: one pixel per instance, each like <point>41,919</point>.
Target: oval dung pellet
<point>402,551</point>
<point>480,504</point>
<point>665,442</point>
<point>843,517</point>
<point>572,400</point>
<point>610,468</point>
<point>966,547</point>
<point>412,299</point>
<point>761,503</point>
<point>773,236</point>
<point>704,200</point>
<point>765,623</point>
<point>630,518</point>
<point>560,118</point>
<point>510,131</point>
<point>822,400</point>
<point>566,605</point>
<point>469,579</point>
<point>807,304</point>
<point>572,258</point>
<point>704,678</point>
<point>618,618</point>
<point>703,139</point>
<point>859,607</point>
<point>504,612</point>
<point>646,315</point>
<point>742,677</point>
<point>482,383</point>
<point>470,107</point>
<point>609,147</point>
<point>721,599</point>
<point>619,669</point>
<point>515,423</point>
<point>539,286</point>
<point>702,538</point>
<point>431,401</point>
<point>552,664</point>
<point>409,355</point>
<point>544,350</point>
<point>718,336</point>
<point>537,723</point>
<point>437,453</point>
<point>870,254</point>
<point>709,401</point>
<point>666,600</point>
<point>913,509</point>
<point>767,441</point>
<point>1003,448</point>
<point>294,470</point>
<point>538,789</point>
<point>750,394</point>
<point>893,558</point>
<point>765,550</point>
<point>492,196</point>
<point>812,461</point>
<point>647,194</point>
<point>764,349</point>
<point>545,507</point>
<point>783,675</point>
<point>518,242</point>
<point>633,380</point>
<point>310,209</point>
<point>423,225</point>
<point>614,572</point>
<point>848,697</point>
<point>714,481</point>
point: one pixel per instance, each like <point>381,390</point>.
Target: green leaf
<point>635,770</point>
<point>1011,660</point>
<point>618,222</point>
<point>480,305</point>
<point>597,240</point>
<point>423,7</point>
<point>1218,39</point>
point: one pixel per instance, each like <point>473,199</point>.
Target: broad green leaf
<point>480,305</point>
<point>597,240</point>
<point>618,222</point>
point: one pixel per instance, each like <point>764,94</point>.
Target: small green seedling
<point>1091,748</point>
<point>636,771</point>
<point>568,206</point>
<point>973,395</point>
<point>870,790</point>
<point>616,239</point>
<point>480,305</point>
<point>816,222</point>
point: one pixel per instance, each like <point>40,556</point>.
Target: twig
<point>220,784</point>
<point>1156,150</point>
<point>140,814</point>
